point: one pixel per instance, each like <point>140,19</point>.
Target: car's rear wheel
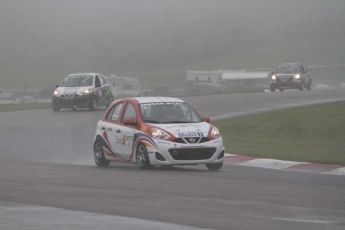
<point>99,155</point>
<point>142,157</point>
<point>300,88</point>
<point>214,167</point>
<point>272,89</point>
<point>93,104</point>
<point>281,90</point>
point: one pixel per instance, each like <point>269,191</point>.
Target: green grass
<point>312,134</point>
<point>28,106</point>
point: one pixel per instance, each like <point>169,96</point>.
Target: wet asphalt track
<point>46,160</point>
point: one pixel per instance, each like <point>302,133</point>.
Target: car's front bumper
<point>171,153</point>
<point>75,102</point>
<point>286,85</point>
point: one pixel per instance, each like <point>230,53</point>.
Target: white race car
<point>157,131</point>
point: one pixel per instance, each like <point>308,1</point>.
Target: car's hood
<point>285,74</point>
<point>186,129</point>
<point>72,90</point>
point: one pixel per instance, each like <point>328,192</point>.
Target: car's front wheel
<point>99,155</point>
<point>272,89</point>
<point>56,108</point>
<point>214,167</point>
<point>142,157</point>
<point>93,104</point>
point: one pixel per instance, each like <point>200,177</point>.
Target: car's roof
<point>292,63</point>
<point>156,99</point>
<point>77,74</point>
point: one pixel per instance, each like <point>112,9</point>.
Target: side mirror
<point>207,119</point>
<point>57,86</point>
<point>130,121</point>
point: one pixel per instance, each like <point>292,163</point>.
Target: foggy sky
<point>46,37</point>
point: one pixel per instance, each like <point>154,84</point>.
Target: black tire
<point>214,167</point>
<point>142,157</point>
<point>272,89</point>
<point>93,104</point>
<point>300,88</point>
<point>309,87</point>
<point>99,155</point>
<point>281,90</point>
<point>55,108</point>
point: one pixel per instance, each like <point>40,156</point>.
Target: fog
<point>45,40</point>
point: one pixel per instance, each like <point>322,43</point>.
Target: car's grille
<point>285,79</point>
<point>192,153</point>
<point>191,140</point>
<point>69,95</point>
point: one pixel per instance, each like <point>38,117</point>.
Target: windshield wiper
<point>152,121</point>
<point>172,122</point>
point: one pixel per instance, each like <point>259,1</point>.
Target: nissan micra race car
<point>157,131</point>
<point>82,90</point>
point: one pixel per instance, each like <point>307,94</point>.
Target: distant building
<point>204,76</point>
<point>124,86</point>
<point>220,76</point>
<point>5,95</point>
<point>220,81</point>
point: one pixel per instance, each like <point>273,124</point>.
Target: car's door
<point>98,89</point>
<point>128,131</point>
<point>106,90</point>
<point>308,78</point>
<point>112,126</point>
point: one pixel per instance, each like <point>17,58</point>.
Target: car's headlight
<point>56,93</point>
<point>159,134</point>
<point>274,77</point>
<point>297,76</point>
<point>215,132</point>
<point>87,91</point>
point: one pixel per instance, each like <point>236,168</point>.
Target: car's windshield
<point>168,112</point>
<point>77,81</point>
<point>288,69</point>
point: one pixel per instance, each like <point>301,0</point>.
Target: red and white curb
<point>232,159</point>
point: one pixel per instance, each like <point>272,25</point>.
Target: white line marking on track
<point>339,171</point>
<point>269,163</point>
<point>30,217</point>
<point>267,109</point>
<point>308,220</point>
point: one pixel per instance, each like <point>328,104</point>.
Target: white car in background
<point>157,131</point>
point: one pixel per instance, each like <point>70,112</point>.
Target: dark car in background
<point>290,76</point>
